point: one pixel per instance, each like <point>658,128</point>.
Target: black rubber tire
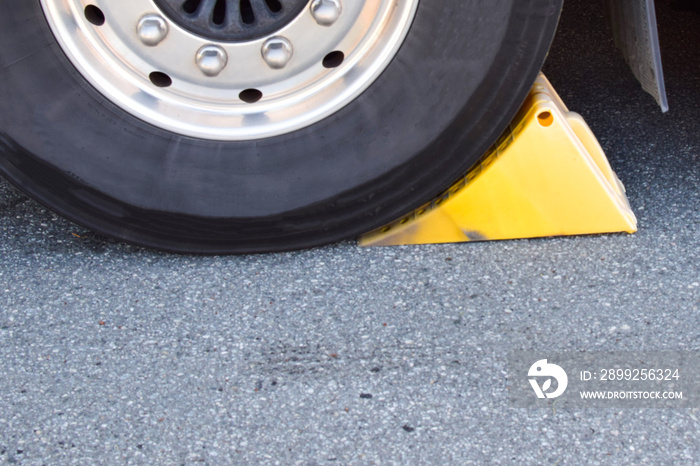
<point>456,82</point>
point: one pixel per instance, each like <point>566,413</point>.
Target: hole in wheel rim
<point>219,14</point>
<point>274,5</point>
<point>247,13</point>
<point>160,79</point>
<point>94,15</point>
<point>334,59</point>
<point>191,6</point>
<point>250,96</point>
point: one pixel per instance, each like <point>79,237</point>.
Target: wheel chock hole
<point>545,119</point>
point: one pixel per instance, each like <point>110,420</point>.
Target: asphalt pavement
<point>113,354</point>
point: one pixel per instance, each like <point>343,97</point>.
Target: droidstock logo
<point>542,370</point>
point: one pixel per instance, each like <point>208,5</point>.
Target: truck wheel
<point>236,126</point>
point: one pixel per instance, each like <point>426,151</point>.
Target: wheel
<point>237,126</point>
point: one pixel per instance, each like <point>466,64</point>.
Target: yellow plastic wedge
<point>546,176</point>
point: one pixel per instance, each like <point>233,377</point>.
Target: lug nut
<point>211,60</point>
<point>152,29</point>
<point>277,51</point>
<point>326,12</point>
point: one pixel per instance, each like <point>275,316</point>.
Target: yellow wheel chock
<point>546,176</point>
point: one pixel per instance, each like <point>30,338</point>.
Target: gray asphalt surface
<point>112,354</point>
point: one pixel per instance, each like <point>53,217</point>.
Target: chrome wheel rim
<point>231,90</point>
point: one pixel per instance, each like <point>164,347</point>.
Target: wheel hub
<point>232,20</point>
<point>197,68</point>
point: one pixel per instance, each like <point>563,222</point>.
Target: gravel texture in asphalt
<point>110,353</point>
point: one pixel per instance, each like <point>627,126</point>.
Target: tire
<point>443,98</point>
